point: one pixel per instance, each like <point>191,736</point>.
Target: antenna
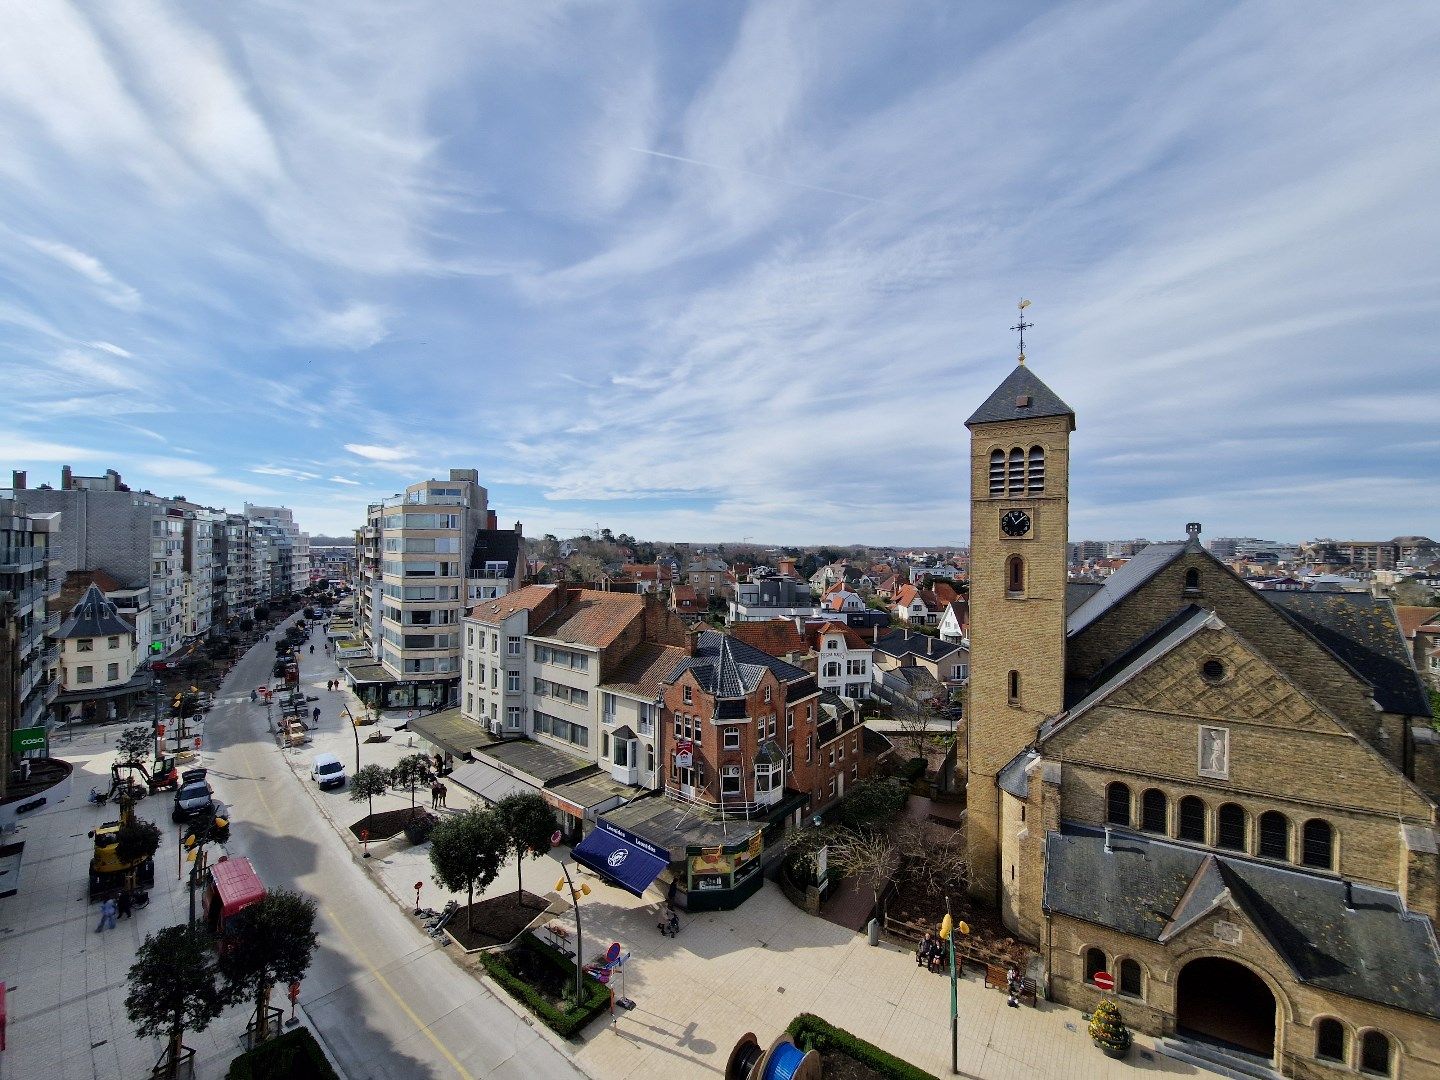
<point>1022,326</point>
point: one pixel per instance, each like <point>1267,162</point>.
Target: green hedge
<point>809,1032</point>
<point>292,1056</point>
<point>564,1022</point>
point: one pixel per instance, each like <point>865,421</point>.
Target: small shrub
<point>564,1021</point>
<point>809,1032</point>
<point>419,827</point>
<point>292,1056</point>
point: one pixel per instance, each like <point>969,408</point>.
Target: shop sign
<point>710,861</point>
<point>707,883</point>
<point>630,838</point>
<point>27,738</point>
<point>757,845</point>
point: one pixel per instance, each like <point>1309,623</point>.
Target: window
<point>1375,1053</point>
<point>469,670</point>
<point>789,759</point>
<point>1213,670</point>
<point>832,671</point>
<point>1016,471</point>
<point>997,472</point>
<point>1117,804</point>
<point>730,780</point>
<point>789,719</point>
<point>84,644</point>
<point>605,744</point>
<point>622,752</point>
<point>832,787</point>
<point>469,635</point>
<point>1014,688</point>
<point>1274,835</point>
<point>113,641</point>
<point>1152,810</point>
<point>1129,982</point>
<point>1230,827</point>
<point>512,681</point>
<point>832,757</point>
<point>1094,963</point>
<point>767,778</point>
<point>494,642</point>
<point>767,695</point>
<point>1330,1040</point>
<point>512,718</point>
<point>732,738</point>
<point>112,672</point>
<point>512,646</point>
<point>84,674</point>
<point>1192,819</point>
<point>855,667</point>
<point>649,758</point>
<point>687,697</point>
<point>542,723</point>
<point>1318,844</point>
<point>1192,580</point>
<point>771,729</point>
<point>1035,477</point>
<point>832,643</point>
<point>809,749</point>
<point>1015,575</point>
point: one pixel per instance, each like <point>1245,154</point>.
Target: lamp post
<point>579,936</point>
<point>355,730</point>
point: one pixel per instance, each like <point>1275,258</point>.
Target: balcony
<point>16,560</point>
<point>486,575</point>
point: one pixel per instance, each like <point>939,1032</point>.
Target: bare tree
<point>871,857</point>
<point>932,857</point>
<point>919,720</point>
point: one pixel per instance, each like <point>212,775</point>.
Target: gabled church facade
<point>1206,792</point>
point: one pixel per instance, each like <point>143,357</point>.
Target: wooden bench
<point>997,977</point>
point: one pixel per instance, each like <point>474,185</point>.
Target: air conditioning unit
<point>495,727</point>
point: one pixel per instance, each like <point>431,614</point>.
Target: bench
<point>996,976</point>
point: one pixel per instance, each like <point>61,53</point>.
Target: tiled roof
<point>1363,632</point>
<point>945,593</point>
<point>592,617</point>
<point>1412,618</point>
<point>774,636</point>
<point>902,643</point>
<point>525,599</point>
<point>852,639</point>
<point>646,670</point>
<point>1334,935</point>
<point>727,667</point>
<point>1150,561</point>
<point>1022,396</point>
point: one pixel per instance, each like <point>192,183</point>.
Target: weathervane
<point>1022,326</point>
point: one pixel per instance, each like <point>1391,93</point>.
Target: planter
<point>1117,1052</point>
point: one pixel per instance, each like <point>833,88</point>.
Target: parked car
<point>327,770</point>
<point>192,797</point>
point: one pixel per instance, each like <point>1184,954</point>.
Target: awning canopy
<point>451,731</point>
<point>490,783</point>
<point>237,884</point>
<point>618,861</point>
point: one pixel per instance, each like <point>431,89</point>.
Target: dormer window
<point>832,643</point>
<point>687,697</point>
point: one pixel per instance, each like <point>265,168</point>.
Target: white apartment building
<point>299,563</point>
<point>495,681</point>
<point>844,663</point>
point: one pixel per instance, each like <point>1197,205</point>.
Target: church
<point>1208,794</point>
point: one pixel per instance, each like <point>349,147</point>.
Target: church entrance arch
<point>1225,1002</point>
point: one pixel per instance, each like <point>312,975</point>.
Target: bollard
<point>874,931</point>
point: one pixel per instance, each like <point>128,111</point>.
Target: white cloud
<point>344,480</point>
<point>94,371</point>
<point>378,453</point>
<point>114,350</point>
<point>16,447</point>
<point>92,269</point>
<point>279,470</point>
<point>356,326</point>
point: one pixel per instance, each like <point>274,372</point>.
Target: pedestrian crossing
<point>232,699</point>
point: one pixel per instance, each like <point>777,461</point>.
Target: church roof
<point>1146,563</point>
<point>93,616</point>
<point>1363,632</point>
<point>1015,776</point>
<point>1022,396</point>
<point>1077,592</point>
<point>1334,935</point>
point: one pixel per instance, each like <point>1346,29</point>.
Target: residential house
<point>99,671</point>
<point>945,660</point>
<point>686,603</point>
<point>1421,627</point>
<point>706,575</point>
<point>955,623</point>
<point>645,577</point>
<point>917,606</point>
<point>782,597</point>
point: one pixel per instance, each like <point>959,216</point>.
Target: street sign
<point>613,953</point>
<point>1103,980</point>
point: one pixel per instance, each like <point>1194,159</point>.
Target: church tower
<point>1019,508</point>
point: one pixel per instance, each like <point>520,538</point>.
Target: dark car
<point>193,796</point>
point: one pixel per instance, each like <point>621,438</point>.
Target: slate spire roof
<point>93,616</point>
<point>1022,396</point>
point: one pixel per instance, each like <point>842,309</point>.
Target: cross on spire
<point>1022,326</point>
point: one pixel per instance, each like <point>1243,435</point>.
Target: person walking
<point>312,650</point>
<point>434,794</point>
<point>107,916</point>
<point>124,904</point>
<point>444,794</point>
<point>315,716</point>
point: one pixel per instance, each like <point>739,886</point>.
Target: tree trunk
<point>470,909</point>
<point>177,1035</point>
<point>519,862</point>
<point>262,1013</point>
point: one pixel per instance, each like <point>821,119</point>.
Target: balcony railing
<point>486,575</point>
<point>15,559</point>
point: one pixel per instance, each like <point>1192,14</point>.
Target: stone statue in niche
<point>1215,753</point>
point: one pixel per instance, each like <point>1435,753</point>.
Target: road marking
<point>425,1028</point>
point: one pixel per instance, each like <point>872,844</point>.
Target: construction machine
<point>108,872</point>
<point>160,775</point>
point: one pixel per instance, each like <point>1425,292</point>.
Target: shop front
<point>621,857</point>
<point>723,876</point>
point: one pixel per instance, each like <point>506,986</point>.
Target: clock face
<point>1015,523</point>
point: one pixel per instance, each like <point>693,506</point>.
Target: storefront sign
<point>757,845</point>
<point>630,838</point>
<point>27,738</point>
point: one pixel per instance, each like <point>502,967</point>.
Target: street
<point>383,997</point>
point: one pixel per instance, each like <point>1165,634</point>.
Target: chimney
<point>17,479</point>
<point>518,530</point>
<point>490,520</point>
<point>1108,849</point>
<point>65,477</point>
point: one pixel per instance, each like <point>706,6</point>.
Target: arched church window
<point>1192,819</point>
<point>1129,981</point>
<point>1015,575</point>
<point>1035,475</point>
<point>997,472</point>
<point>1014,688</point>
<point>1230,827</point>
<point>1318,842</point>
<point>1192,580</point>
<point>1152,810</point>
<point>1274,835</point>
<point>1330,1040</point>
<point>1016,472</point>
<point>1375,1053</point>
<point>1094,963</point>
<point>1117,804</point>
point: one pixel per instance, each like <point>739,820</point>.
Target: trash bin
<point>874,931</point>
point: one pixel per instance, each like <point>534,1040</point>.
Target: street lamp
<point>355,730</point>
<point>575,895</point>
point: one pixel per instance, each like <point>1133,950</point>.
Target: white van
<point>327,770</point>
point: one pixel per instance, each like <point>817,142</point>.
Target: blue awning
<point>619,862</point>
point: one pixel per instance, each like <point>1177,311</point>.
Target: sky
<point>725,271</point>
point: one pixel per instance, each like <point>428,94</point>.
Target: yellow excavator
<point>108,872</point>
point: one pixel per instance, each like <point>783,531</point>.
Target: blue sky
<point>709,271</point>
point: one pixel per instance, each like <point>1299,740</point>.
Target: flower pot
<point>1116,1052</point>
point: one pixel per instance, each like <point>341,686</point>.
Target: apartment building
<point>298,570</point>
<point>422,559</point>
<point>203,576</point>
<point>129,534</point>
<point>99,673</point>
<point>494,684</point>
<point>26,597</point>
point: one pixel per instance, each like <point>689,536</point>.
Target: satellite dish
<point>1024,304</point>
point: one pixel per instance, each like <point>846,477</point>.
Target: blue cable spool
<point>784,1062</point>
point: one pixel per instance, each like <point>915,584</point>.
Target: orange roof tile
<point>1412,618</point>
<point>775,637</point>
<point>593,617</point>
<point>852,639</point>
<point>645,670</point>
<point>526,599</point>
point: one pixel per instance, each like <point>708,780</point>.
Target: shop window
<point>1318,845</point>
<point>1117,804</point>
<point>1094,963</point>
<point>1375,1053</point>
<point>1330,1040</point>
<point>1192,819</point>
<point>1152,810</point>
<point>1230,827</point>
<point>1274,835</point>
<point>1130,982</point>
